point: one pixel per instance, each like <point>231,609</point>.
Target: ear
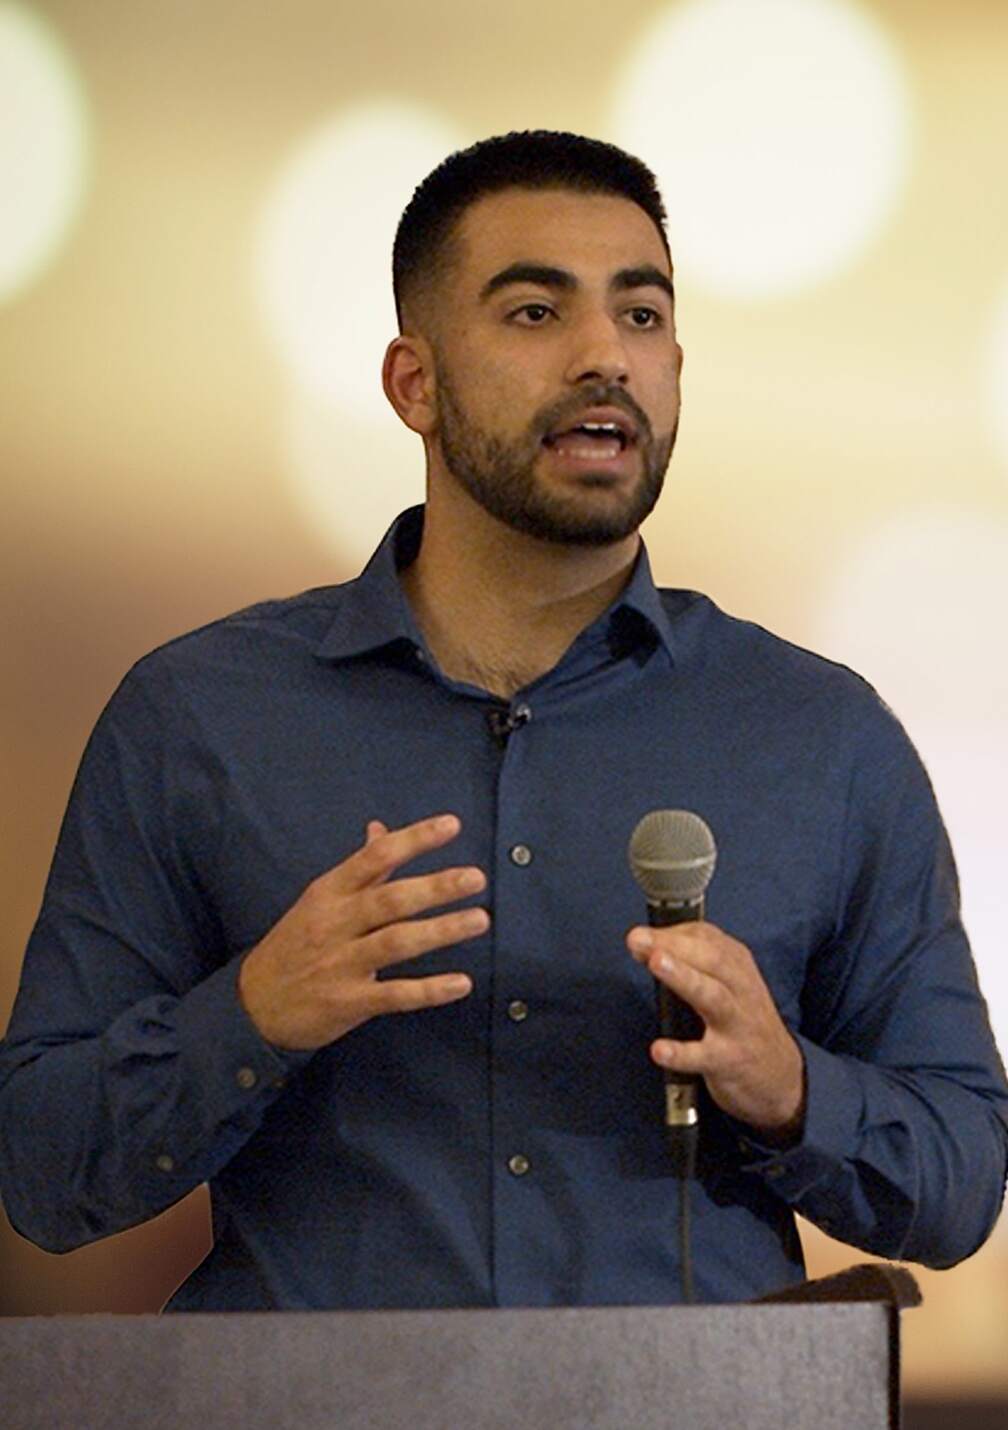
<point>408,380</point>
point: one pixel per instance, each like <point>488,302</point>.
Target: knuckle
<point>401,995</point>
<point>444,886</point>
<point>398,940</point>
<point>317,919</point>
<point>424,993</point>
<point>373,859</point>
<point>718,1001</point>
<point>454,927</point>
<point>388,903</point>
<point>316,894</point>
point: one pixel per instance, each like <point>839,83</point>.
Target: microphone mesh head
<point>672,856</point>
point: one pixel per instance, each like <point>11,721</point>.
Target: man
<point>421,1070</point>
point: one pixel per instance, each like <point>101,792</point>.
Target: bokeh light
<point>999,374</point>
<point>43,146</point>
<point>779,131</point>
<point>323,258</point>
<point>349,478</point>
<point>918,609</point>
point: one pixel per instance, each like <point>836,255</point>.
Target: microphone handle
<point>678,1021</point>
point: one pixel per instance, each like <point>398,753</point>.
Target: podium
<point>825,1362</point>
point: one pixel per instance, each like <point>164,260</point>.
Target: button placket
<point>521,863</point>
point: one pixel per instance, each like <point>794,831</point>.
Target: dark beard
<point>500,475</point>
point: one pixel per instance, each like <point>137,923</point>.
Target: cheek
<point>665,396</point>
<point>496,395</point>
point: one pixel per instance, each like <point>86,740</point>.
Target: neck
<point>497,607</point>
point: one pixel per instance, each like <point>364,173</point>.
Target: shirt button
<point>246,1078</point>
<point>517,1011</point>
<point>522,712</point>
<point>165,1163</point>
<point>521,855</point>
<point>518,1165</point>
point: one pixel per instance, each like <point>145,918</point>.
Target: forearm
<point>102,1132</point>
<point>905,1165</point>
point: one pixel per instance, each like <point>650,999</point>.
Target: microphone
<point>672,856</point>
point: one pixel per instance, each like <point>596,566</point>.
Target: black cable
<point>682,1145</point>
<point>685,1251</point>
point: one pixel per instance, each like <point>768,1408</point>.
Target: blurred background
<point>197,206</point>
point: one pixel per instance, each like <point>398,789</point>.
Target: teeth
<point>605,429</point>
<point>595,429</point>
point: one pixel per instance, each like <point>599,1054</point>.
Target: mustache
<point>570,408</point>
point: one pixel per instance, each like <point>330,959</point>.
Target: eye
<point>646,317</point>
<point>532,315</point>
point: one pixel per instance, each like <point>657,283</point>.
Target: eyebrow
<point>646,275</point>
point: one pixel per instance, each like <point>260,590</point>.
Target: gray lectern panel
<point>699,1368</point>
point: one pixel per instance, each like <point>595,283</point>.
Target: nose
<point>597,352</point>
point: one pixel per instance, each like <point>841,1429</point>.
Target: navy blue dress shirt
<point>506,1149</point>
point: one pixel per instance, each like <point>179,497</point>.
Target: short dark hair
<point>527,159</point>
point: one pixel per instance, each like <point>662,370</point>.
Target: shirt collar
<point>374,611</point>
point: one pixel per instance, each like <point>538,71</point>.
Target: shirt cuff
<point>228,1056</point>
<point>833,1114</point>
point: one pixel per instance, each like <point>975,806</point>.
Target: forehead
<point>592,235</point>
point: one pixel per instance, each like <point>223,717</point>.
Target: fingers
<point>750,1062</point>
<point>402,898</point>
<point>673,954</point>
<point>706,993</point>
<point>384,851</point>
<point>410,995</point>
<point>693,1057</point>
<point>401,941</point>
<point>373,917</point>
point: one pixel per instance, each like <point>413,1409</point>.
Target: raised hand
<point>312,978</point>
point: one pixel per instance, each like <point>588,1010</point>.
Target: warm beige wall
<point>144,472</point>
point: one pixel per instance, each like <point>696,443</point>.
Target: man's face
<point>559,313</point>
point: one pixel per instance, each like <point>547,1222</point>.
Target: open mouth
<point>593,441</point>
<point>596,434</point>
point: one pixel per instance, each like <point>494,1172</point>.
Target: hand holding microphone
<point>752,1066</point>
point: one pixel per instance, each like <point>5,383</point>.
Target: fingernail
<point>666,964</point>
<point>641,940</point>
<point>445,822</point>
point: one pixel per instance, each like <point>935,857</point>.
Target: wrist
<point>787,1128</point>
